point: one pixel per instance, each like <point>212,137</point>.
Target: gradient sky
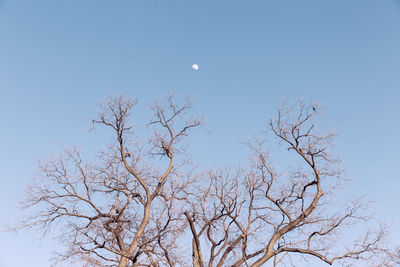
<point>59,59</point>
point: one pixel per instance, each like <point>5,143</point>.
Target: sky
<point>60,59</point>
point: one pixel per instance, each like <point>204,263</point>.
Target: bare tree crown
<point>125,210</point>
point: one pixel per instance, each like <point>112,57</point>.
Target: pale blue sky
<point>58,59</point>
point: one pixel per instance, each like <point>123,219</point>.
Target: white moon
<point>195,66</point>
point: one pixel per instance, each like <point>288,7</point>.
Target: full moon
<point>195,66</point>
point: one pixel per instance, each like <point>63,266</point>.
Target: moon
<point>195,66</point>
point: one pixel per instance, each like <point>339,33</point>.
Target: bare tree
<point>139,203</point>
<point>255,215</point>
<point>121,209</point>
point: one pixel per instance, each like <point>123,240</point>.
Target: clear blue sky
<point>58,59</point>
